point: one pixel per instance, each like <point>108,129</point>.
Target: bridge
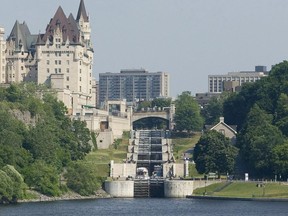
<point>167,113</point>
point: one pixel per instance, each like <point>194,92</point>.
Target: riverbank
<point>67,196</point>
<point>238,198</point>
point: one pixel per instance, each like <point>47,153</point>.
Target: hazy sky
<point>190,39</point>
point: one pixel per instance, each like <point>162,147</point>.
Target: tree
<point>187,115</point>
<point>213,111</point>
<point>280,160</point>
<point>82,180</point>
<point>18,185</point>
<point>256,140</point>
<point>6,188</point>
<point>214,153</point>
<point>43,177</point>
<point>161,102</point>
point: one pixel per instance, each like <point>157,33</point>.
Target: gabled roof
<point>232,128</point>
<point>67,26</point>
<point>82,12</point>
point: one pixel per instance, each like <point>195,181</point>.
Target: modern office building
<point>233,80</point>
<point>133,85</point>
<point>61,57</point>
<point>2,56</point>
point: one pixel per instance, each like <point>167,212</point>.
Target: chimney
<point>221,119</point>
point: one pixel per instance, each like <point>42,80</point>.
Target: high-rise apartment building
<point>2,56</point>
<point>233,80</point>
<point>61,57</point>
<point>133,85</point>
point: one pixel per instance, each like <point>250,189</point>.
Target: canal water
<point>146,206</point>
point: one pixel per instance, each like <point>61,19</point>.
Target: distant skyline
<point>189,39</point>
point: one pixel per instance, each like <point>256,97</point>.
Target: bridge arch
<point>150,122</point>
<point>165,113</point>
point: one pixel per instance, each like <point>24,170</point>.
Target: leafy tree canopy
<point>187,115</point>
<point>214,153</point>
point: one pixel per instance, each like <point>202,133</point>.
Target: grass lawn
<point>99,159</point>
<point>245,190</point>
<point>181,145</point>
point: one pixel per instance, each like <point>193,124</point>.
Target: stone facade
<point>62,57</point>
<point>2,56</point>
<point>228,131</point>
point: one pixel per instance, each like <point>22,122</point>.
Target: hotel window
<point>80,89</point>
<point>68,62</point>
<point>48,62</point>
<point>48,70</point>
<point>67,70</point>
<point>67,78</point>
<point>80,79</point>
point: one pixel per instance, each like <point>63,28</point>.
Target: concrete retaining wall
<point>104,139</point>
<point>178,188</point>
<point>118,170</point>
<point>123,189</point>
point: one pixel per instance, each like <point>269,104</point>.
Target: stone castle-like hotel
<point>62,57</point>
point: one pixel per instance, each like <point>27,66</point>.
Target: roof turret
<point>82,12</point>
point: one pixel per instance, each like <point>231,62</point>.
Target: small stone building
<point>228,131</point>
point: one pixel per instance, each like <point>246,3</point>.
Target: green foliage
<point>161,102</point>
<point>214,109</point>
<point>18,185</point>
<point>187,116</point>
<point>12,186</point>
<point>53,140</point>
<point>256,141</point>
<point>43,178</point>
<point>6,187</point>
<point>260,112</point>
<point>280,159</point>
<point>94,140</point>
<point>116,143</point>
<point>155,103</point>
<point>214,153</point>
<point>143,105</point>
<point>82,180</point>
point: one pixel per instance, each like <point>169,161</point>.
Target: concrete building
<point>233,80</point>
<point>62,57</point>
<point>133,85</point>
<point>2,56</point>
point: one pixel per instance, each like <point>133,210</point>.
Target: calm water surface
<point>139,207</point>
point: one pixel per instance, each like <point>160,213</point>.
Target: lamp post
<point>206,178</point>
